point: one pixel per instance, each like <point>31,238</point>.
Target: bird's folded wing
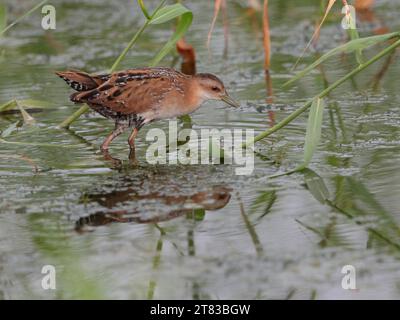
<point>126,94</point>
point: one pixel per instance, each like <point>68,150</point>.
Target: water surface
<point>181,231</point>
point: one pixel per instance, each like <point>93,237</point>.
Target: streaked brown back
<point>133,91</point>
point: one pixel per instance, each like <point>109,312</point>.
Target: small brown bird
<point>135,97</point>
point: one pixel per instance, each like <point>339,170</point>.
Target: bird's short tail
<point>82,81</point>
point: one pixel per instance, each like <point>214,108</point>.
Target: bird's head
<point>212,88</point>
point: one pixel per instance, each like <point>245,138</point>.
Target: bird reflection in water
<point>165,207</point>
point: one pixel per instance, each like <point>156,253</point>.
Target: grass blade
<point>28,119</point>
<point>135,38</point>
<point>32,103</point>
<point>10,129</point>
<point>350,15</point>
<point>168,13</point>
<point>264,203</point>
<point>351,46</point>
<point>144,10</point>
<point>322,94</point>
<point>3,30</point>
<point>313,133</point>
<point>250,228</point>
<point>316,32</point>
<point>174,11</point>
<point>29,103</point>
<point>316,185</point>
<point>8,105</point>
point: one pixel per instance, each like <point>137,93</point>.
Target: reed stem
<point>322,94</point>
<point>23,16</point>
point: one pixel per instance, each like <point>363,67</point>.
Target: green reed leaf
<point>313,133</point>
<point>8,105</point>
<point>10,129</point>
<point>165,14</point>
<point>26,14</point>
<point>27,103</point>
<point>144,9</point>
<point>28,119</point>
<point>353,33</point>
<point>351,46</point>
<point>264,202</point>
<point>168,13</point>
<point>316,185</point>
<point>391,48</point>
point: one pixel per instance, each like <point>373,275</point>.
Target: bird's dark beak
<point>227,99</point>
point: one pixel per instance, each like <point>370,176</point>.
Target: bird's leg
<point>132,137</point>
<point>131,142</point>
<point>119,128</point>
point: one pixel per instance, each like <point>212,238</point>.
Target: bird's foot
<point>116,163</point>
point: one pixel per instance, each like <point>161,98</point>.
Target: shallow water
<point>199,231</point>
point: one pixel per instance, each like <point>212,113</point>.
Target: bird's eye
<point>216,89</point>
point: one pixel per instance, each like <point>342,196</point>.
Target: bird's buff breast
<point>169,111</point>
